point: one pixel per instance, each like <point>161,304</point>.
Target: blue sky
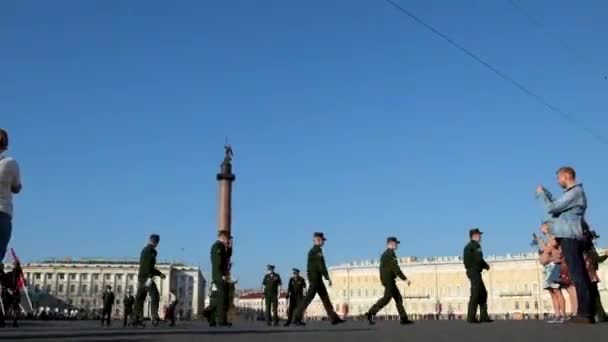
<point>345,116</point>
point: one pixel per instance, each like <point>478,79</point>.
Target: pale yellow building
<point>514,285</point>
<point>80,284</point>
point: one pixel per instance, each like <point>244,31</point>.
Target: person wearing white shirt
<point>10,183</point>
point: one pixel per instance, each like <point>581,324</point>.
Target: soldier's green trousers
<point>217,311</point>
<point>391,291</point>
<point>272,302</point>
<point>316,287</point>
<point>479,297</point>
<point>140,298</point>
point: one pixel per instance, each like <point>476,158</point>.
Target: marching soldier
<point>389,271</point>
<point>272,289</point>
<point>145,282</point>
<point>108,302</point>
<point>475,264</point>
<point>128,303</point>
<point>217,311</point>
<point>295,294</point>
<point>317,270</point>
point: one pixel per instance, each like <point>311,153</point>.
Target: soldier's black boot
<point>370,318</point>
<point>483,314</point>
<point>337,321</point>
<point>288,323</point>
<point>299,323</point>
<point>406,321</point>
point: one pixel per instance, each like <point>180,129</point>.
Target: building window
<point>131,276</point>
<point>70,301</point>
<point>95,276</point>
<point>535,305</point>
<point>84,289</point>
<point>366,293</point>
<point>343,293</point>
<point>49,276</point>
<point>37,276</point>
<point>72,289</point>
<point>119,277</point>
<point>119,289</point>
<point>516,305</point>
<point>61,276</point>
<point>95,289</point>
<point>107,276</point>
<point>118,302</point>
<point>60,289</point>
<point>49,289</point>
<point>131,289</point>
<point>527,306</point>
<point>84,276</point>
<point>72,276</point>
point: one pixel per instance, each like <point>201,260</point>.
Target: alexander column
<point>225,178</point>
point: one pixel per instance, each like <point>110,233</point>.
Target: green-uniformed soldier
<point>475,264</point>
<point>145,282</point>
<point>108,301</point>
<point>217,311</point>
<point>128,303</point>
<point>295,294</point>
<point>317,270</point>
<point>272,288</point>
<point>389,271</point>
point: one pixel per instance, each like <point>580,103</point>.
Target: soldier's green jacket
<point>316,268</point>
<point>296,287</point>
<point>473,257</point>
<point>389,267</point>
<point>271,283</point>
<point>219,261</point>
<point>147,264</point>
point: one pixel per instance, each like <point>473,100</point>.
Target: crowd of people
<point>566,251</point>
<point>568,255</point>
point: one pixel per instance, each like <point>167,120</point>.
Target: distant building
<point>254,302</point>
<point>80,284</point>
<point>514,286</point>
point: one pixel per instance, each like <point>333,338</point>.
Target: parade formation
<point>565,242</point>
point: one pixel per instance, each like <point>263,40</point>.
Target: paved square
<point>354,331</point>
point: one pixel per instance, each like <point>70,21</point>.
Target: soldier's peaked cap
<point>295,270</point>
<point>270,267</point>
<point>475,231</point>
<point>392,239</point>
<point>155,238</point>
<point>320,235</point>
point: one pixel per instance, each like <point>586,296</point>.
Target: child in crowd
<point>551,259</point>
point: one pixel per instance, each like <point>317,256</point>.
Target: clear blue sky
<point>345,117</point>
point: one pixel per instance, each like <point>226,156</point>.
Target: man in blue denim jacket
<point>568,218</point>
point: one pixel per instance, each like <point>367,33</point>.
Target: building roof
<point>101,260</point>
<point>416,261</point>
